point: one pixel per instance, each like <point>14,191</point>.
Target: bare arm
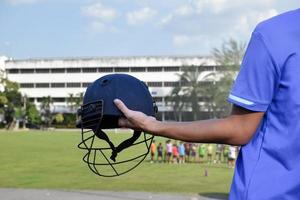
<point>236,129</point>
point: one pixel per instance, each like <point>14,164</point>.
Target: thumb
<point>121,106</point>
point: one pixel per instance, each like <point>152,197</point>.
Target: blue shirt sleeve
<point>256,82</point>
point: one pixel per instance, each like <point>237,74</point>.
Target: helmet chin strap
<point>115,150</point>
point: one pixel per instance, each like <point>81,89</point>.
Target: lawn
<point>45,159</point>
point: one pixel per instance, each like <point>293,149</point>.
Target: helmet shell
<point>133,92</point>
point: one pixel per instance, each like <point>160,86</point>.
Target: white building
<point>61,77</point>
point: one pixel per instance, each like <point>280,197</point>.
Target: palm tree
<point>74,101</point>
<point>228,58</point>
<point>177,102</point>
<point>71,102</point>
<point>189,90</point>
<point>46,110</point>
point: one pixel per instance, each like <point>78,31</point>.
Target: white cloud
<point>18,2</point>
<point>185,40</point>
<point>246,22</point>
<point>99,27</point>
<point>140,17</point>
<point>166,20</point>
<point>99,11</point>
<point>101,17</point>
<point>218,6</point>
<point>184,10</point>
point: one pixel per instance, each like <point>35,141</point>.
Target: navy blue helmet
<point>98,111</point>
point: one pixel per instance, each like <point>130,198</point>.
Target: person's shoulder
<point>278,23</point>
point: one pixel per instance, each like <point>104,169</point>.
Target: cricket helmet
<point>99,112</point>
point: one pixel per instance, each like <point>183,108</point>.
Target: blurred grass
<point>45,159</point>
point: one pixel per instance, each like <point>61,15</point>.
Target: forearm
<point>236,129</point>
<point>205,131</point>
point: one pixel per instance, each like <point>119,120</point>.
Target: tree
<point>59,118</point>
<point>32,115</point>
<point>11,102</point>
<point>187,93</point>
<point>228,59</point>
<point>74,101</point>
<point>46,115</point>
<point>177,102</point>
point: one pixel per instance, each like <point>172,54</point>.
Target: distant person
<point>153,151</point>
<point>169,149</point>
<point>193,152</point>
<point>232,156</point>
<point>201,152</point>
<point>181,152</point>
<point>264,118</point>
<point>160,151</point>
<point>226,153</point>
<point>187,151</point>
<point>175,153</point>
<point>219,152</point>
<point>210,149</point>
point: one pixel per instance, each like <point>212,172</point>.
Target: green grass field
<point>37,159</point>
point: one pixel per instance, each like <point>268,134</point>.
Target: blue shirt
<point>181,150</point>
<point>268,167</point>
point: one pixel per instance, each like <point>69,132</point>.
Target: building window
<point>122,69</point>
<point>205,68</point>
<point>171,84</point>
<point>40,71</point>
<point>13,71</point>
<point>58,70</point>
<point>84,85</point>
<point>171,69</point>
<point>73,85</point>
<point>58,99</point>
<point>206,83</point>
<point>185,84</point>
<point>138,69</point>
<point>157,99</point>
<point>155,69</point>
<point>26,85</point>
<point>31,100</point>
<point>89,70</point>
<point>57,85</point>
<point>27,71</point>
<point>154,84</point>
<point>105,69</point>
<point>42,85</point>
<point>73,70</point>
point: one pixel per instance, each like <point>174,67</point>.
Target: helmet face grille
<point>100,147</point>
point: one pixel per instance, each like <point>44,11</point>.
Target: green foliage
<point>3,100</point>
<point>59,118</point>
<point>229,57</point>
<point>69,120</point>
<point>46,115</point>
<point>186,94</point>
<point>10,101</point>
<point>74,101</point>
<point>33,115</point>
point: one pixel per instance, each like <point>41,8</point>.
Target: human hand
<point>134,119</point>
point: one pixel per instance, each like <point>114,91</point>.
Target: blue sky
<point>71,28</point>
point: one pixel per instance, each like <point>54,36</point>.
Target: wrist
<point>154,126</point>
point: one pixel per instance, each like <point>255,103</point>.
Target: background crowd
<point>179,152</point>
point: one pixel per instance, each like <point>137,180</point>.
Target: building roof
<point>134,61</point>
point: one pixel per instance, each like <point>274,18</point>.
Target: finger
<point>121,106</point>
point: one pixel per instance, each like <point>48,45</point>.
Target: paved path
<point>35,194</point>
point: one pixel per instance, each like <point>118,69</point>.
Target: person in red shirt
<point>175,153</point>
